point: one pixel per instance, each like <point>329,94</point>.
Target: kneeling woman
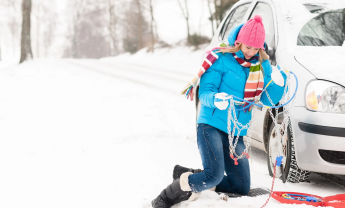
<point>240,70</point>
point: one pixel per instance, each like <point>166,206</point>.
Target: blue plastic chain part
<point>311,199</point>
<point>307,198</point>
<point>264,106</point>
<point>248,106</point>
<point>279,161</point>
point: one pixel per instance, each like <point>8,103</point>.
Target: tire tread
<point>296,174</point>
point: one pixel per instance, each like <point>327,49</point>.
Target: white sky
<point>172,25</point>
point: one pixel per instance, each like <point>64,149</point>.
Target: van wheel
<point>289,170</point>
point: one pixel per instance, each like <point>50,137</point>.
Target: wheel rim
<point>275,148</point>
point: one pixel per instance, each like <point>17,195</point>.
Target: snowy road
<point>105,133</point>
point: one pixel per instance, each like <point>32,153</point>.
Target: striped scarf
<point>207,63</point>
<point>254,84</point>
<point>255,81</point>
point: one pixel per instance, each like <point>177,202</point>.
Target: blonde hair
<point>262,54</point>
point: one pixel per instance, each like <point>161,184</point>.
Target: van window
<point>265,11</point>
<point>233,19</point>
<point>326,29</point>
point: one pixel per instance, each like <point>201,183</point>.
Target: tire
<point>289,172</point>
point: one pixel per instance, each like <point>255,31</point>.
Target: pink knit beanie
<point>252,33</point>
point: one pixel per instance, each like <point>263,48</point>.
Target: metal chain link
<point>286,111</point>
<point>232,120</point>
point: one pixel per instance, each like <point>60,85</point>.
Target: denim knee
<point>214,177</point>
<point>245,189</point>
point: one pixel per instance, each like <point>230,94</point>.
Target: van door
<point>266,12</point>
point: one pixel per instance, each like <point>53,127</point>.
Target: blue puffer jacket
<point>227,75</point>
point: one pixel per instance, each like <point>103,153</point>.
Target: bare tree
<point>38,18</point>
<point>1,5</point>
<point>200,19</point>
<point>113,26</point>
<point>0,47</point>
<point>14,23</point>
<point>220,8</point>
<point>135,28</point>
<point>185,13</point>
<point>8,11</point>
<point>211,15</point>
<point>88,36</point>
<point>26,52</point>
<point>76,20</point>
<point>50,28</point>
<point>153,26</point>
<point>44,23</point>
<point>76,9</point>
<point>140,35</point>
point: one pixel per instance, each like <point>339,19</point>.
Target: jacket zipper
<point>239,112</point>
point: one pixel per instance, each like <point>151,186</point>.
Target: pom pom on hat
<point>258,18</point>
<point>252,33</point>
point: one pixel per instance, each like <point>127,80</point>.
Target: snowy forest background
<point>102,28</point>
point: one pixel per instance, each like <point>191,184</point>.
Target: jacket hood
<point>233,34</point>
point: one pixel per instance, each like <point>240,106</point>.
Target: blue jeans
<point>213,145</point>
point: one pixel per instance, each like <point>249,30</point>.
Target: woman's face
<point>249,51</point>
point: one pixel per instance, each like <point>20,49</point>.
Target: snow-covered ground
<point>107,133</point>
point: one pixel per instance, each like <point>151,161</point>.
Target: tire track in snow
<point>137,76</point>
<point>340,180</point>
<point>149,71</point>
<point>153,68</point>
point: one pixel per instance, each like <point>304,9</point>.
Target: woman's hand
<point>278,76</point>
<point>221,100</point>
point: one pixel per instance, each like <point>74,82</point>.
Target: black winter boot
<point>171,195</point>
<point>178,170</point>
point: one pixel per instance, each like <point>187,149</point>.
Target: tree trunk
<point>211,16</point>
<point>200,19</point>
<point>38,37</point>
<point>222,6</point>
<point>26,52</point>
<point>151,25</point>
<point>156,31</point>
<point>215,2</point>
<point>186,16</point>
<point>187,19</point>
<point>78,6</point>
<point>140,35</point>
<point>38,29</point>
<point>13,27</point>
<point>221,11</point>
<point>218,4</point>
<point>0,46</point>
<point>112,27</point>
